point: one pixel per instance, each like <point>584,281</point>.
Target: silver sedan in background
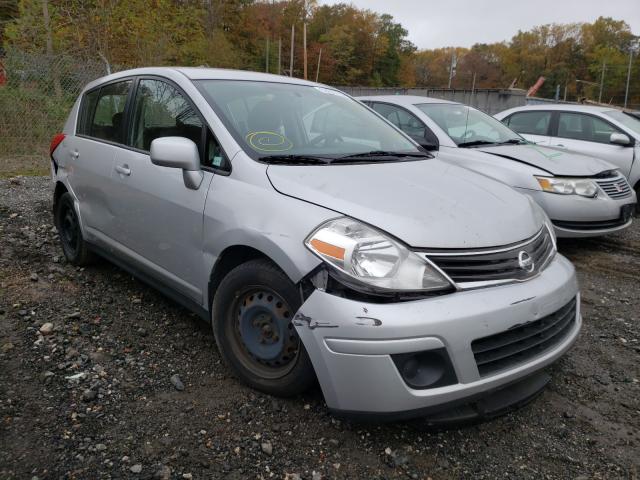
<point>584,196</point>
<point>601,131</point>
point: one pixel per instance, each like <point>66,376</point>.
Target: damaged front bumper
<point>357,348</point>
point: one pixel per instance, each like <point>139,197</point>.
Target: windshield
<point>467,126</point>
<point>298,122</point>
<point>628,121</point>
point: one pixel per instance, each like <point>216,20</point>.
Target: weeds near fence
<point>34,104</point>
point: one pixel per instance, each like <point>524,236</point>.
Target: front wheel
<point>253,311</point>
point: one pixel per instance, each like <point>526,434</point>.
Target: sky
<point>461,23</point>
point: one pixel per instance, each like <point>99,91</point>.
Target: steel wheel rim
<point>264,338</point>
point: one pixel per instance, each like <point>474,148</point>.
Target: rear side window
<point>405,121</point>
<point>534,123</point>
<point>107,119</point>
<point>86,113</point>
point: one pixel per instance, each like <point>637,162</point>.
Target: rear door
<point>159,219</point>
<point>589,134</point>
<point>533,125</point>
<point>92,151</point>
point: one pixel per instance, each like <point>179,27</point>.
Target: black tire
<point>68,225</point>
<point>249,294</point>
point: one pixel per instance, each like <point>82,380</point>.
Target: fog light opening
<point>428,369</point>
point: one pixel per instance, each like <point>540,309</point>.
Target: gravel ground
<point>88,386</point>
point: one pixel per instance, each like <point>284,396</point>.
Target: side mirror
<point>424,143</point>
<point>620,139</point>
<point>178,152</point>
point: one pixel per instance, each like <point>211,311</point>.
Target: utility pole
<point>304,48</point>
<point>279,54</point>
<point>49,38</point>
<point>452,67</point>
<point>293,35</point>
<point>604,66</point>
<point>473,90</point>
<point>626,92</point>
<point>318,66</point>
<point>266,69</point>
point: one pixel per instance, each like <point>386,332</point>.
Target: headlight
<point>568,186</point>
<point>372,258</point>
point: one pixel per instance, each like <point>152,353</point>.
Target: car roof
<point>404,99</point>
<point>568,107</point>
<point>204,73</point>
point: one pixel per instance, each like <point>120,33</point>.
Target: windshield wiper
<point>475,143</point>
<point>295,160</point>
<point>365,156</point>
<point>513,141</point>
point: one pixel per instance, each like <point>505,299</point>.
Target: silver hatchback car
<point>319,241</point>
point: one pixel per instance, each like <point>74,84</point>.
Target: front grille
<point>495,265</point>
<point>615,187</point>
<point>523,342</point>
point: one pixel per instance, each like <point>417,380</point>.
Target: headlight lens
<point>568,186</point>
<point>373,258</point>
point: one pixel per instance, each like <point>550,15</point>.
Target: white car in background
<point>600,131</point>
<point>582,195</point>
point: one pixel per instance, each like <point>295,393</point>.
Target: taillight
<point>57,140</point>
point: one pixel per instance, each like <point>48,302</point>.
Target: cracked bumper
<point>350,342</point>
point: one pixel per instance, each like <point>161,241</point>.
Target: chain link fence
<point>36,94</point>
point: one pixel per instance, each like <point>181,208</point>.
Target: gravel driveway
<point>88,386</point>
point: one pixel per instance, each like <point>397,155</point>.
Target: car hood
<point>555,161</point>
<point>426,203</point>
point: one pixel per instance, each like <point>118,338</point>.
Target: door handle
<point>75,154</point>
<point>123,170</point>
<point>560,145</point>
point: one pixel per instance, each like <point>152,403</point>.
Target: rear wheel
<point>73,245</point>
<point>252,321</point>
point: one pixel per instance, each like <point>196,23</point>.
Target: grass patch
<point>27,166</point>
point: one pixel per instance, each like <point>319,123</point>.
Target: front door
<point>159,219</point>
<point>590,135</point>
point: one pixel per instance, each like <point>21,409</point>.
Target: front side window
<point>107,121</point>
<point>275,119</point>
<point>578,126</point>
<point>160,110</point>
<point>467,126</point>
<point>625,119</point>
<point>533,123</point>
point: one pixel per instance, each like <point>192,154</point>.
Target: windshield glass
<point>467,126</point>
<point>625,119</point>
<point>271,119</point>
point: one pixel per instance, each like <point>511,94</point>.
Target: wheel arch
<point>234,255</point>
<point>59,190</point>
